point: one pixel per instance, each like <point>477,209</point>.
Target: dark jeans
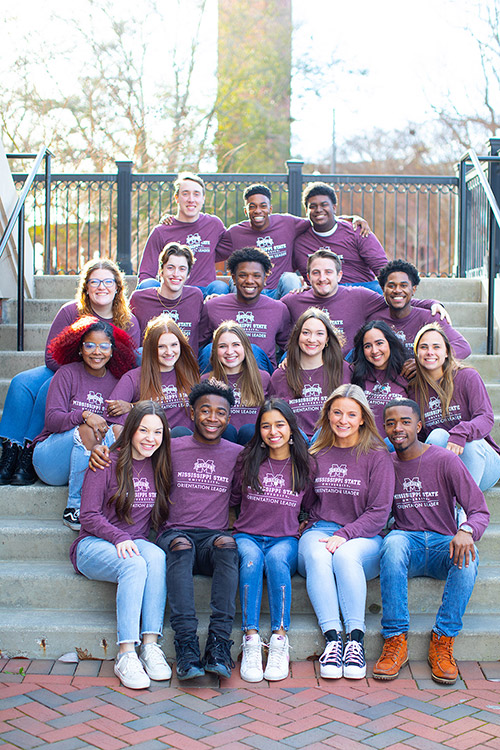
<point>203,556</point>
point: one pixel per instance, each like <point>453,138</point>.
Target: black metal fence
<point>112,214</point>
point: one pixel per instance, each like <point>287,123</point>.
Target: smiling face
<point>190,200</point>
<point>313,337</point>
<point>169,351</point>
<point>324,277</point>
<point>174,275</point>
<point>432,354</point>
<point>101,289</point>
<point>402,426</point>
<point>230,352</point>
<point>258,209</point>
<point>147,438</point>
<point>321,212</point>
<point>275,433</point>
<point>345,418</point>
<point>94,357</point>
<point>249,279</point>
<point>376,348</point>
<point>210,415</point>
<point>398,291</point>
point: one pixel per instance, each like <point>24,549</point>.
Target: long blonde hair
<point>122,316</point>
<point>422,381</point>
<point>369,439</point>
<point>249,381</point>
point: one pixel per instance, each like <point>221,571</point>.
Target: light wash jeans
<point>71,464</point>
<point>24,409</point>
<point>338,579</point>
<point>142,590</point>
<point>373,285</point>
<point>277,558</point>
<point>479,457</point>
<point>406,554</point>
<point>215,287</point>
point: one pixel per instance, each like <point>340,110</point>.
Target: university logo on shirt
<point>141,484</point>
<point>169,392</point>
<point>193,241</point>
<point>95,399</point>
<point>312,390</point>
<point>337,471</point>
<point>434,403</point>
<point>172,314</point>
<point>271,481</point>
<point>244,318</point>
<point>401,335</point>
<point>237,396</point>
<point>204,466</point>
<point>413,485</point>
<point>265,243</point>
<point>382,388</point>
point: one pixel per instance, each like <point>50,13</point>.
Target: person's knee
<point>179,544</point>
<point>224,541</point>
<point>439,436</point>
<point>134,567</point>
<point>395,551</point>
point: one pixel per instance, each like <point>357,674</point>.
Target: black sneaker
<point>188,659</point>
<point>71,518</point>
<point>217,657</point>
<point>8,462</point>
<point>25,473</point>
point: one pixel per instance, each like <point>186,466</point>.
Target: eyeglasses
<point>96,283</point>
<point>89,346</point>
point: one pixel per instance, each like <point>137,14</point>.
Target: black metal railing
<point>18,215</point>
<point>112,214</point>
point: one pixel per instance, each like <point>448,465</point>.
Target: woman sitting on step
<point>92,355</point>
<point>456,409</point>
<point>101,293</point>
<point>119,506</point>
<point>168,372</point>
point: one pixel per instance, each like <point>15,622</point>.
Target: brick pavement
<point>71,706</point>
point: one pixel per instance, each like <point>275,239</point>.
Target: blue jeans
<point>406,554</point>
<point>479,457</point>
<point>277,558</point>
<point>263,361</point>
<point>142,590</point>
<point>24,409</point>
<point>338,579</point>
<point>373,285</point>
<point>215,287</point>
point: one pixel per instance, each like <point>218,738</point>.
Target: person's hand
<point>333,542</point>
<point>304,287</point>
<point>127,547</point>
<point>282,364</point>
<point>438,309</point>
<point>167,219</point>
<point>409,369</point>
<point>462,549</point>
<point>99,457</point>
<point>358,221</point>
<point>97,424</point>
<point>211,296</point>
<point>454,448</point>
<point>117,407</point>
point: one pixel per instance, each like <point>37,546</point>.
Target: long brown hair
<point>186,367</point>
<point>333,362</point>
<point>422,380</point>
<point>124,497</point>
<point>249,381</point>
<point>369,439</point>
<point>122,316</point>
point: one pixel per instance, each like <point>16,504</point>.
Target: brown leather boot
<point>394,656</point>
<point>443,665</point>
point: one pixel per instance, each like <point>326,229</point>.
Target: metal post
<point>294,167</point>
<point>494,244</point>
<point>20,281</point>
<point>462,218</point>
<point>124,216</point>
<point>48,181</point>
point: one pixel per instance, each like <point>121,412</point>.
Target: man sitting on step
<point>425,542</point>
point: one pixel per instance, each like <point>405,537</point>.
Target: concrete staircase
<point>46,609</point>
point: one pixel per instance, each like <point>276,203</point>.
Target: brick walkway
<point>72,706</point>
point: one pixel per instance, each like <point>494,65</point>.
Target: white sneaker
<point>330,661</point>
<point>278,658</point>
<point>251,660</point>
<point>129,671</point>
<point>153,660</point>
<point>354,663</point>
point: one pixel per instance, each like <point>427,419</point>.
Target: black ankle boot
<point>24,473</point>
<point>8,462</point>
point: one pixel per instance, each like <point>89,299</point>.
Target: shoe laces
<point>392,647</point>
<point>219,650</point>
<point>354,654</point>
<point>332,653</point>
<point>277,651</point>
<point>129,665</point>
<point>187,652</point>
<point>445,644</point>
<point>152,653</point>
<point>252,651</point>
<point>9,457</point>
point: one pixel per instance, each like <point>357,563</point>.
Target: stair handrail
<point>17,214</point>
<point>472,156</point>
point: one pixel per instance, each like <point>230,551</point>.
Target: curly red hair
<point>65,348</point>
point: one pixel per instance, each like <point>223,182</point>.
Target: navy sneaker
<point>188,659</point>
<point>217,657</point>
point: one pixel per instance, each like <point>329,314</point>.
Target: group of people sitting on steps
<point>270,426</point>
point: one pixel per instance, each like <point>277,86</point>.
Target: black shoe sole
<point>191,674</point>
<point>219,670</point>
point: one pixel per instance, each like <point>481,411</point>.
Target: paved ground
<point>72,706</point>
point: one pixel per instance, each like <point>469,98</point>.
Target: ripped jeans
<point>277,558</point>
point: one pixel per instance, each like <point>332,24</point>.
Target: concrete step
<point>450,290</point>
<point>35,336</point>
<point>35,310</point>
<point>12,362</point>
<point>487,366</point>
<point>476,338</point>
<point>64,287</point>
<point>49,633</point>
<point>465,314</point>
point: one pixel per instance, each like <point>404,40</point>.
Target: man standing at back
<point>200,232</point>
